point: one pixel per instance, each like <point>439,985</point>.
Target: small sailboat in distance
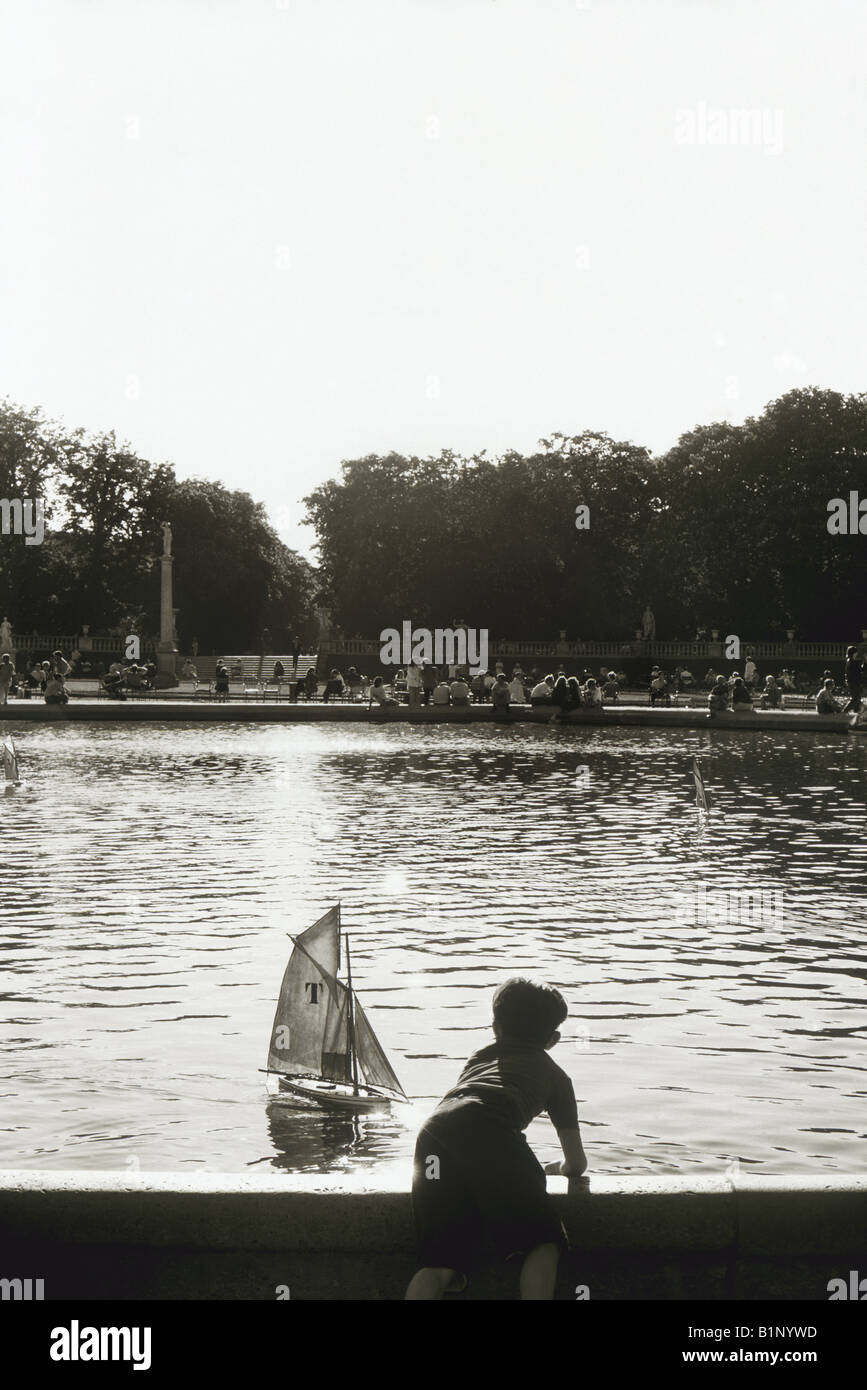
<point>322,1045</point>
<point>10,763</point>
<point>701,796</point>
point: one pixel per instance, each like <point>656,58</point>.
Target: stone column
<point>166,650</point>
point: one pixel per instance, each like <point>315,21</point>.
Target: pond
<point>151,873</point>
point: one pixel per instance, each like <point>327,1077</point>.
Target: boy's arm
<point>574,1161</point>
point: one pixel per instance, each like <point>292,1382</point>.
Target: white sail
<point>322,941</point>
<point>10,761</point>
<point>310,1004</point>
<point>372,1060</point>
<point>700,791</point>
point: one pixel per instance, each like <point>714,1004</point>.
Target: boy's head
<point>528,1013</point>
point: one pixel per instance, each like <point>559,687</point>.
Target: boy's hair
<point>527,1012</point>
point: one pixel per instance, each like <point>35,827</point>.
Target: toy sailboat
<point>10,763</point>
<point>702,800</point>
<point>322,1045</point>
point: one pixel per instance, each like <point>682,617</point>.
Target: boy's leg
<point>539,1273</point>
<point>511,1192</point>
<point>445,1220</point>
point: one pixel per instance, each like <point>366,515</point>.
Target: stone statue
<point>167,538</point>
<point>5,636</point>
<point>648,624</point>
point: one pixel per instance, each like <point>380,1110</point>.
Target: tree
<point>114,503</point>
<point>233,576</point>
<point>33,454</point>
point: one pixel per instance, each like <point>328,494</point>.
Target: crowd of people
<point>433,685</point>
<point>46,678</point>
<point>422,684</point>
<point>427,684</point>
<point>738,692</point>
<point>123,677</point>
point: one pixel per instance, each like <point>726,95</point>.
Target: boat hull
<point>338,1095</point>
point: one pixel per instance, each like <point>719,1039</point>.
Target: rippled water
<point>150,875</point>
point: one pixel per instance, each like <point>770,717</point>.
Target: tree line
<point>727,530</point>
<point>233,577</point>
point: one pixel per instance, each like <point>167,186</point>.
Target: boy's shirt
<point>515,1082</point>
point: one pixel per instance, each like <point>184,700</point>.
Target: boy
<point>473,1166</point>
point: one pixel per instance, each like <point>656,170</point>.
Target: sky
<point>258,237</point>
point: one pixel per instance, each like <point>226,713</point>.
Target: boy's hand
<point>565,1170</point>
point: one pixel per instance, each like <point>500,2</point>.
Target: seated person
<point>112,684</point>
<point>771,695</point>
<point>310,684</point>
<point>541,693</point>
<point>561,696</point>
<point>687,679</point>
<point>36,677</point>
<point>133,678</point>
<point>517,694</point>
<point>55,692</point>
<point>592,695</point>
<point>221,681</point>
<point>379,695</point>
<point>576,699</point>
<point>825,702</point>
<point>741,697</point>
<point>500,696</point>
<point>787,679</point>
<point>279,670</point>
<point>477,686</point>
<point>354,683</point>
<point>333,686</point>
<point>718,699</point>
<point>659,687</point>
<point>442,694</point>
<point>611,689</point>
<point>399,682</point>
<point>189,672</point>
<point>460,692</point>
<point>490,679</point>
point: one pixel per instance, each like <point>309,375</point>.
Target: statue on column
<point>167,538</point>
<point>5,636</point>
<point>648,624</point>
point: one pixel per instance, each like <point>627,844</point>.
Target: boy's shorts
<point>474,1179</point>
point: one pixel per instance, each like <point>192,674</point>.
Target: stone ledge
<point>769,1218</point>
<point>166,711</point>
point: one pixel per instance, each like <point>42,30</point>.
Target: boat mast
<point>352,1048</point>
